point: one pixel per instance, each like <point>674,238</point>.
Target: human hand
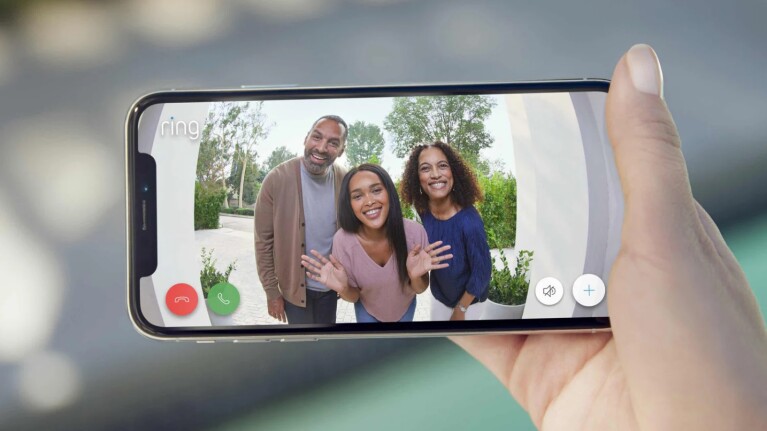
<point>458,314</point>
<point>688,348</point>
<point>329,272</point>
<point>276,308</point>
<point>422,260</point>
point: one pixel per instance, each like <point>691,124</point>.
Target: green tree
<point>217,145</point>
<point>455,120</point>
<point>278,155</point>
<point>228,145</point>
<point>253,128</point>
<point>249,188</point>
<point>365,144</point>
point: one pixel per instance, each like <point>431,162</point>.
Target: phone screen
<point>487,207</point>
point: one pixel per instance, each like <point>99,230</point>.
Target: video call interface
<point>381,209</point>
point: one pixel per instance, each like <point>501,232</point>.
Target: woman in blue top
<point>443,189</point>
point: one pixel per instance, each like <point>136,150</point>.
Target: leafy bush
<point>407,210</point>
<point>499,208</point>
<point>209,275</point>
<point>238,211</point>
<point>207,203</point>
<point>507,288</point>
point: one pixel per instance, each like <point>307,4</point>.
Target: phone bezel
<point>339,330</point>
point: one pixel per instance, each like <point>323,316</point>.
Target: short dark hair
<point>466,191</point>
<point>394,225</point>
<point>338,120</point>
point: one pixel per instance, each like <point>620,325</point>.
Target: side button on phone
<point>294,340</point>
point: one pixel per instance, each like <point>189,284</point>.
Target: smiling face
<point>434,174</point>
<point>323,145</point>
<point>369,199</point>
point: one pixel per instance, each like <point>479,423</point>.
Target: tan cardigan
<point>280,231</point>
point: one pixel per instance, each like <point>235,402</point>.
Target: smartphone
<point>294,213</point>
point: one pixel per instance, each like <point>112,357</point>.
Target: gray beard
<point>313,168</point>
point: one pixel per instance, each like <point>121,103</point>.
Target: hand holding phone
<point>688,342</point>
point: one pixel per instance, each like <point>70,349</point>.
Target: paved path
<point>234,242</point>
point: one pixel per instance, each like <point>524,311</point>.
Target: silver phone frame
<point>242,335</point>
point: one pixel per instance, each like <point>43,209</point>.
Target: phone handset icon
<point>223,300</point>
<point>181,299</point>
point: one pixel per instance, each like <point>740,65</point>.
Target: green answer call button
<point>223,298</point>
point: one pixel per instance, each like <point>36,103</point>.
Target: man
<point>296,213</point>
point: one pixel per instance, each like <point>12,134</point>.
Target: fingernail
<point>645,70</point>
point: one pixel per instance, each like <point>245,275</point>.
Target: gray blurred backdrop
<point>69,358</point>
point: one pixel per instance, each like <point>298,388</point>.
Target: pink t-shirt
<point>380,289</point>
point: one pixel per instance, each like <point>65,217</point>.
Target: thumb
<point>648,154</point>
<point>683,319</point>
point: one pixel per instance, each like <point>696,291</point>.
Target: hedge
<point>206,206</point>
<point>238,211</point>
<point>499,209</point>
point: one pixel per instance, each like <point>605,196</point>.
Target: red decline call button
<point>181,299</point>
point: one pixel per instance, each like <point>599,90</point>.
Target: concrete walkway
<point>234,242</point>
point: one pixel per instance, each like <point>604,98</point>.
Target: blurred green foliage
<point>507,288</point>
<point>209,275</point>
<point>365,144</point>
<point>407,210</point>
<point>237,211</point>
<point>207,203</point>
<point>499,209</point>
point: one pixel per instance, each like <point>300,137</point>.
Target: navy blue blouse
<point>469,269</point>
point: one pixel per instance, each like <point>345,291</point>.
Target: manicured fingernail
<point>645,70</point>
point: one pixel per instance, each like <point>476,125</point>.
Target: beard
<point>315,168</point>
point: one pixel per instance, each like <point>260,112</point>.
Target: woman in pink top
<point>380,260</point>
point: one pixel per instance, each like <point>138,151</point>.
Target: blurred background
<point>69,70</point>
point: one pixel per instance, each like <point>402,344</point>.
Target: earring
<point>420,190</point>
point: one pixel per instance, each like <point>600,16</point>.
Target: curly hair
<point>466,191</point>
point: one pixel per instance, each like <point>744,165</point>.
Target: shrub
<point>209,275</point>
<point>238,211</point>
<point>244,211</point>
<point>207,203</point>
<point>507,288</point>
<point>407,210</point>
<point>499,208</point>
